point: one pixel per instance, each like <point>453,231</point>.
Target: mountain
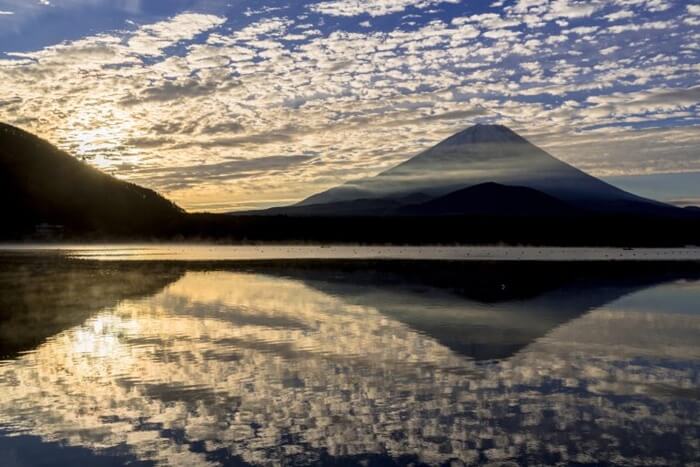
<point>485,199</point>
<point>488,199</point>
<point>476,156</point>
<point>43,185</point>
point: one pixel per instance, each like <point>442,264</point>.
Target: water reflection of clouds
<point>212,358</point>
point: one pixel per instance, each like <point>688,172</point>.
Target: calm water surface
<point>208,252</point>
<point>342,363</point>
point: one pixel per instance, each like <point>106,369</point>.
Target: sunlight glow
<point>99,136</point>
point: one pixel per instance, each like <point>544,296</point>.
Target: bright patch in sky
<point>225,105</point>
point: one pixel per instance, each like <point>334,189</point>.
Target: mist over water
<point>338,362</point>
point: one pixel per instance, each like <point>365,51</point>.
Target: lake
<point>364,358</point>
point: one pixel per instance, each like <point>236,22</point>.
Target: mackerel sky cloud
<point>240,104</point>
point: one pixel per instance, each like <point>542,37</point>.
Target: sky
<point>243,104</point>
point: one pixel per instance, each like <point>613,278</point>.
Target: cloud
<point>149,141</point>
<point>550,10</point>
<point>620,104</point>
<point>636,27</point>
<point>488,21</point>
<point>455,114</point>
<point>569,9</point>
<point>618,15</point>
<point>222,127</point>
<point>372,8</point>
<point>152,39</point>
<point>174,90</point>
<point>501,34</point>
<point>609,50</point>
<point>178,178</point>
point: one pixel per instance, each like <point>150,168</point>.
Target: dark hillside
<point>44,185</point>
<point>493,199</point>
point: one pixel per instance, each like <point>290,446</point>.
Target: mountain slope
<point>362,206</point>
<point>492,199</point>
<point>488,153</point>
<point>42,184</point>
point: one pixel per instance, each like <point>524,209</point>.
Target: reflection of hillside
<point>484,310</point>
<point>231,368</point>
<point>41,296</point>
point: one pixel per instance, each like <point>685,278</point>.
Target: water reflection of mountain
<point>265,367</point>
<point>484,310</point>
<point>42,295</point>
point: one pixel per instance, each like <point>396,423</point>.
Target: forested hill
<point>42,185</point>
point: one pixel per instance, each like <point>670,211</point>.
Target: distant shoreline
<point>248,253</point>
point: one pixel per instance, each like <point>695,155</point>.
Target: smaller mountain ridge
<point>493,199</point>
